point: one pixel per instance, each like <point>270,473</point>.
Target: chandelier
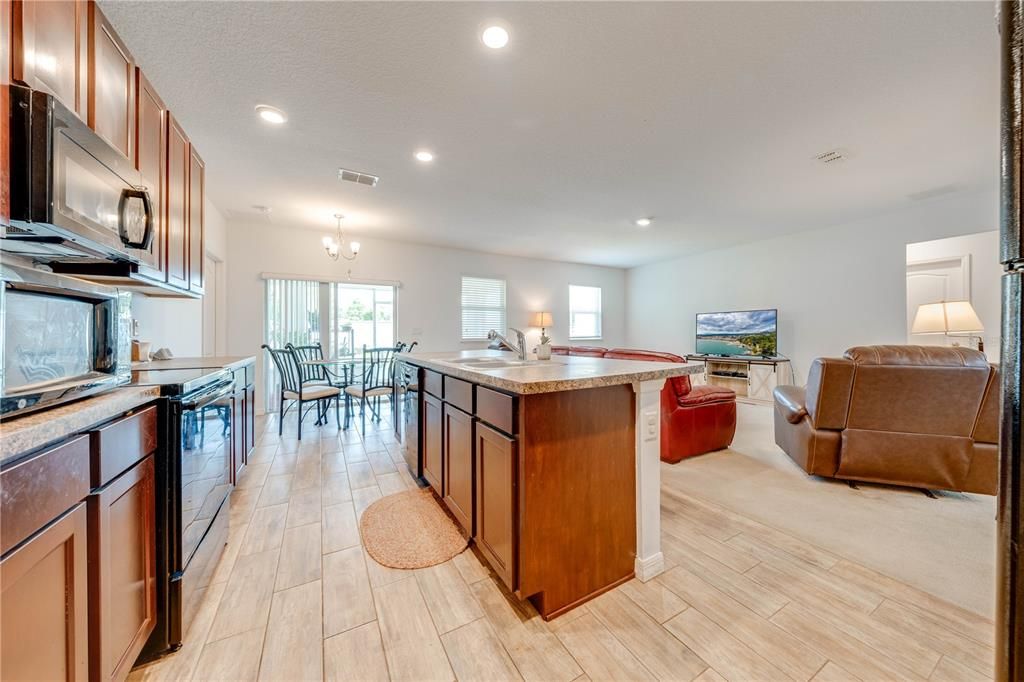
<point>333,245</point>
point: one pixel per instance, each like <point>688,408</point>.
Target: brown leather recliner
<point>919,416</point>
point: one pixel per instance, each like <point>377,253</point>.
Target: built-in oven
<point>73,196</point>
<point>193,487</point>
<point>62,339</point>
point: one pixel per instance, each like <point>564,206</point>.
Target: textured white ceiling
<point>703,115</point>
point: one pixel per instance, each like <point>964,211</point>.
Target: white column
<point>649,559</point>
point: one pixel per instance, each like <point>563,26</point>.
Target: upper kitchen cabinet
<point>176,204</point>
<point>111,84</point>
<point>151,162</point>
<point>50,48</point>
<point>196,220</point>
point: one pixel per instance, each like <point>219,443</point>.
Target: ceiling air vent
<point>355,176</point>
<point>832,156</point>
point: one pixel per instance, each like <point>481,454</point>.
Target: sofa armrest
<point>790,401</point>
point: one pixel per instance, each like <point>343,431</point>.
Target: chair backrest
<point>378,367</point>
<point>302,354</point>
<point>936,390</point>
<point>588,351</point>
<point>287,368</point>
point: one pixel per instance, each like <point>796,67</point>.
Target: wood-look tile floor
<point>296,598</point>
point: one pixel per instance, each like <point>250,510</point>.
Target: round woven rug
<point>410,530</point>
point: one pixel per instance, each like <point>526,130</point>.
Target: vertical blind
<point>584,312</point>
<point>292,316</point>
<point>483,307</point>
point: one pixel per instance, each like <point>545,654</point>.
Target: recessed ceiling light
<point>642,222</point>
<point>495,37</point>
<point>424,156</point>
<point>271,114</point>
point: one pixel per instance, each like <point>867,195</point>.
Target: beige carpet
<point>410,530</point>
<point>944,546</point>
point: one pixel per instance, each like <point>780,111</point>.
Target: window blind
<point>292,316</point>
<point>483,307</point>
<point>584,312</point>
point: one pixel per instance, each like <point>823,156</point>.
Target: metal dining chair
<point>378,379</point>
<point>293,388</point>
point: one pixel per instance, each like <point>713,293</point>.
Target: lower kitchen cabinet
<point>44,620</point>
<point>239,454</point>
<point>458,466</point>
<point>122,570</point>
<point>433,443</point>
<point>250,420</point>
<point>495,533</point>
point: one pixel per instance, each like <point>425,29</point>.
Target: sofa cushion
<point>706,395</point>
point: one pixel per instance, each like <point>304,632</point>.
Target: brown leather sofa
<point>919,416</point>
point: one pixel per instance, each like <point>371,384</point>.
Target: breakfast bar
<point>551,467</point>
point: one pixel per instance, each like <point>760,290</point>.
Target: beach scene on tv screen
<point>746,332</point>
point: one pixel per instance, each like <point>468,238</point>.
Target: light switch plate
<point>650,425</point>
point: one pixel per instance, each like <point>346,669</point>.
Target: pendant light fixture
<point>334,245</point>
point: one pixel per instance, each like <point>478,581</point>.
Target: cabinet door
<point>250,420</point>
<point>44,619</point>
<point>432,443</point>
<point>196,220</point>
<point>151,162</point>
<point>111,84</point>
<point>176,199</point>
<point>5,110</point>
<point>122,571</point>
<point>458,466</point>
<point>496,501</point>
<point>760,382</point>
<point>237,434</point>
<point>49,49</point>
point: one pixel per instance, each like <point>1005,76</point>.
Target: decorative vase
<point>544,351</point>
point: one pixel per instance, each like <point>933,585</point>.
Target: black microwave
<point>62,339</point>
<point>73,196</point>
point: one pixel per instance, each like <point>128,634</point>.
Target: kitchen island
<point>550,467</point>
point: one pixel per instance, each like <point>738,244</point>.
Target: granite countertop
<point>560,373</point>
<point>22,435</point>
<point>216,362</point>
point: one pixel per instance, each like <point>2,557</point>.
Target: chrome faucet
<point>502,342</point>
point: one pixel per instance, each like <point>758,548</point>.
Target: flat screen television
<point>739,332</point>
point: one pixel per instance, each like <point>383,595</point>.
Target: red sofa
<point>694,419</point>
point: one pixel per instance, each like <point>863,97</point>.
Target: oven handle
<point>147,209</point>
<point>220,390</point>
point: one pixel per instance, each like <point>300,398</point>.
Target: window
<point>483,307</point>
<point>342,316</point>
<point>584,312</point>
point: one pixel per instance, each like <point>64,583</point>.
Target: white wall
<point>986,277</point>
<point>835,287</point>
<point>428,308</point>
<point>178,323</point>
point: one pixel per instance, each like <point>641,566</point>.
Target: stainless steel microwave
<point>73,196</point>
<point>62,339</point>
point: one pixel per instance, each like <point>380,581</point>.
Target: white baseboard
<point>649,567</point>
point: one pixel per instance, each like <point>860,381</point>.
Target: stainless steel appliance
<point>62,339</point>
<point>76,202</point>
<point>406,400</point>
<point>193,482</point>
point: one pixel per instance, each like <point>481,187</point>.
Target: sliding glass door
<point>344,317</point>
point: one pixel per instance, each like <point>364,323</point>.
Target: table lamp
<point>542,320</point>
<point>949,318</point>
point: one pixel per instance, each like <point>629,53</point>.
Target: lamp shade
<point>543,319</point>
<point>945,317</point>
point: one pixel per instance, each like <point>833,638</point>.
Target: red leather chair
<point>588,351</point>
<point>694,419</point>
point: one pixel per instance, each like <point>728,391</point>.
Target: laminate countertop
<point>215,362</point>
<point>22,435</point>
<point>560,373</point>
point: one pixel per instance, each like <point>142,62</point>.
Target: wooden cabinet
<point>176,205</point>
<point>122,570</point>
<point>44,619</point>
<point>111,109</point>
<point>5,110</point>
<point>250,420</point>
<point>151,162</point>
<point>458,465</point>
<point>196,220</point>
<point>432,442</point>
<point>49,49</point>
<point>239,456</point>
<point>495,533</point>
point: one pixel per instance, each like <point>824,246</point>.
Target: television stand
<point>752,378</point>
